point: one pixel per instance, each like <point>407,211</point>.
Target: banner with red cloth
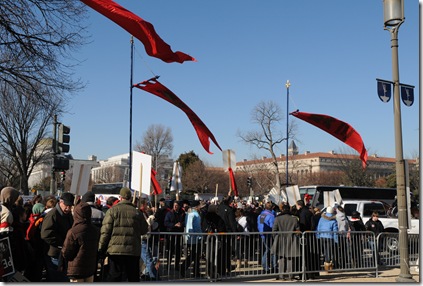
<point>156,186</point>
<point>155,87</point>
<point>337,128</point>
<point>140,29</point>
<point>233,183</point>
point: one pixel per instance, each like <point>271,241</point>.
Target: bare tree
<point>353,173</point>
<point>157,141</point>
<point>23,123</point>
<point>268,116</point>
<point>36,41</point>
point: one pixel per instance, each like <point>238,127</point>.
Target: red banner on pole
<point>337,128</point>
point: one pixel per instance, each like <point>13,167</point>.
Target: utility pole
<point>54,148</point>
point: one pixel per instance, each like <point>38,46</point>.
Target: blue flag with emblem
<point>407,94</point>
<point>384,90</point>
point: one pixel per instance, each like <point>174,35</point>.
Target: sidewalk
<point>384,276</point>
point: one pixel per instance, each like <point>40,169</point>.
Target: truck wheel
<point>392,244</point>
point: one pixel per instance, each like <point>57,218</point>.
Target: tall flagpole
<point>287,84</point>
<point>130,111</point>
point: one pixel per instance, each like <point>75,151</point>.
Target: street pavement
<point>388,275</point>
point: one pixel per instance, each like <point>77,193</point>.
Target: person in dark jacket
<point>227,214</point>
<point>34,271</point>
<point>55,226</point>
<point>375,225</point>
<point>305,217</point>
<point>120,239</point>
<point>356,236</point>
<point>175,222</point>
<point>97,215</point>
<point>80,246</point>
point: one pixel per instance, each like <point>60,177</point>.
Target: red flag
<point>140,29</point>
<point>156,186</point>
<point>233,183</point>
<point>155,87</point>
<point>337,128</point>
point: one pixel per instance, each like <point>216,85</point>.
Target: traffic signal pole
<point>54,148</point>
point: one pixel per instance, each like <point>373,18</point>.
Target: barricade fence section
<point>282,255</point>
<point>388,249</point>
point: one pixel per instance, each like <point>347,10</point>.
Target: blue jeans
<point>149,260</point>
<point>268,260</point>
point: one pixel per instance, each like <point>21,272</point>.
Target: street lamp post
<point>393,18</point>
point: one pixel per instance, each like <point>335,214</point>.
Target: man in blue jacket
<point>265,224</point>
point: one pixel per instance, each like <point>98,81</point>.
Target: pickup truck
<point>366,208</point>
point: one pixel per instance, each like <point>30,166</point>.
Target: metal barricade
<point>388,248</point>
<point>282,255</point>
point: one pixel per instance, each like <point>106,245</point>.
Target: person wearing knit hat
<point>125,194</point>
<point>97,215</point>
<point>34,269</point>
<point>120,238</point>
<point>38,209</point>
<point>327,232</point>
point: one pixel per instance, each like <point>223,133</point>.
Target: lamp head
<point>393,12</point>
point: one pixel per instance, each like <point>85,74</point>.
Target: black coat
<point>227,214</point>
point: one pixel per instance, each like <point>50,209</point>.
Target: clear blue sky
<point>331,51</point>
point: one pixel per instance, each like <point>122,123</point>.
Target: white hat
<point>329,210</point>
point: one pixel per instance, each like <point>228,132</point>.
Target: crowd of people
<point>66,239</point>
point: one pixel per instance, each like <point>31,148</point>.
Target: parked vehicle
<point>366,208</point>
<point>386,195</point>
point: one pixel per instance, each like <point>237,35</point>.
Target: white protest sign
<point>293,194</point>
<point>332,197</point>
<point>80,178</point>
<point>229,160</point>
<point>176,184</point>
<point>141,173</point>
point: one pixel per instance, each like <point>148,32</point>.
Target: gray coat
<point>286,243</point>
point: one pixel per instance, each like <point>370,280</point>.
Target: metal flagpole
<point>288,84</point>
<point>130,111</point>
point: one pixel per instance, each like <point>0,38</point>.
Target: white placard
<point>141,173</point>
<point>80,178</point>
<point>176,184</point>
<point>229,160</point>
<point>293,194</point>
<point>331,198</point>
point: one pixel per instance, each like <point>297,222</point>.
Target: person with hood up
<point>80,246</point>
<point>8,197</point>
<point>327,232</point>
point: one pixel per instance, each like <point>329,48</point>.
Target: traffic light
<point>64,139</point>
<point>249,182</point>
<point>60,163</point>
<point>62,176</point>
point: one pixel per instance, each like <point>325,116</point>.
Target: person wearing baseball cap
<point>55,226</point>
